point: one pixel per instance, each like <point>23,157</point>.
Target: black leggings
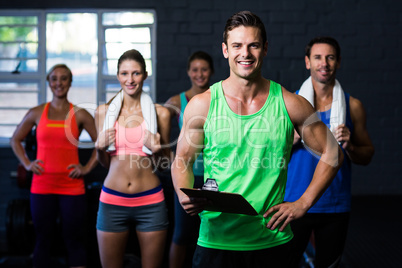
<point>330,230</point>
<point>186,227</point>
<point>45,209</point>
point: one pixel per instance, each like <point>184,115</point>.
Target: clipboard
<point>223,201</point>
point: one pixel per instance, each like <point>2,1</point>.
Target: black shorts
<point>149,218</point>
<point>271,257</point>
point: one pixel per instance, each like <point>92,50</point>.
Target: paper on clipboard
<point>223,201</point>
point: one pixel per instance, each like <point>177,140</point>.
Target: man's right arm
<point>357,145</point>
<point>318,138</point>
<point>190,143</point>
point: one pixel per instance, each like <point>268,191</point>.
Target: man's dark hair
<point>324,40</point>
<point>244,18</point>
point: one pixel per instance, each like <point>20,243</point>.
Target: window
<point>20,68</point>
<point>122,31</point>
<point>89,42</point>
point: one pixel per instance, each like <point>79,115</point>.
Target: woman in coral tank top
<point>58,181</point>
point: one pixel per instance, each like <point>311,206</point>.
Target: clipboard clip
<point>210,185</point>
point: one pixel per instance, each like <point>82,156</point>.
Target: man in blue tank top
<point>328,219</point>
<point>245,125</point>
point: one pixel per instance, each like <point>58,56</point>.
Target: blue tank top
<point>337,198</point>
<point>198,166</point>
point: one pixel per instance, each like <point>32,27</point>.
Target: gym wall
<point>369,32</point>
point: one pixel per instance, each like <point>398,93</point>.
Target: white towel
<point>148,112</point>
<point>338,106</point>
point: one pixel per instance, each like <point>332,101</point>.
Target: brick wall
<point>369,32</point>
<point>370,35</point>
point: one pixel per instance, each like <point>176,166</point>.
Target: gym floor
<point>375,235</point>
<point>374,238</point>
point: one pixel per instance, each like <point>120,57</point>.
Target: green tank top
<point>248,155</point>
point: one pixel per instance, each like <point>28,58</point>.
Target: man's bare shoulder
<point>355,103</point>
<point>298,107</point>
<point>200,102</point>
<point>197,109</point>
<point>205,96</point>
<point>357,110</point>
<point>292,100</point>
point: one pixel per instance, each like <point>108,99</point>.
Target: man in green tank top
<point>245,126</point>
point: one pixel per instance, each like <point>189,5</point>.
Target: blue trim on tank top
<point>144,193</point>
